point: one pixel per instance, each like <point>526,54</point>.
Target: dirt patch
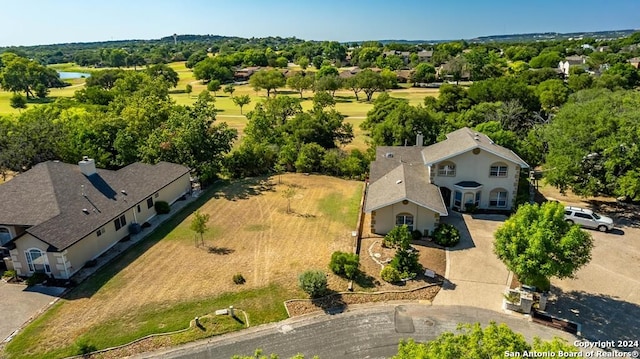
<point>341,301</point>
<point>249,233</point>
<point>371,288</point>
<point>431,257</point>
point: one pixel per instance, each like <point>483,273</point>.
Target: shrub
<point>398,237</point>
<point>344,264</point>
<point>10,274</point>
<point>416,235</point>
<point>390,274</point>
<point>406,262</point>
<point>446,235</point>
<point>84,347</point>
<point>162,207</point>
<point>313,282</point>
<point>238,279</point>
<point>37,278</point>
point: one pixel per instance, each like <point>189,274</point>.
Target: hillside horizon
<point>518,37</point>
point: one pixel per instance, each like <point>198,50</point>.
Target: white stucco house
<point>419,184</point>
<point>57,216</point>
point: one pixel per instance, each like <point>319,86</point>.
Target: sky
<point>37,22</point>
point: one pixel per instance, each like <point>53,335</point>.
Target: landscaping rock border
<point>339,301</point>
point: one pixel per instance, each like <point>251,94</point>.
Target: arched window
<point>405,218</point>
<point>498,169</point>
<point>5,235</point>
<point>37,261</point>
<point>498,198</point>
<point>447,169</point>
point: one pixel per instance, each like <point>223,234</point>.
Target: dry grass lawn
<point>250,233</point>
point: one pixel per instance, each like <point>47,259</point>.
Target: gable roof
<point>407,181</point>
<point>464,140</point>
<point>49,198</point>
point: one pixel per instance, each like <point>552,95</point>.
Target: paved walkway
<point>476,277</point>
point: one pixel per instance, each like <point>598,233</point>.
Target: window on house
<point>149,202</point>
<point>498,198</point>
<point>139,210</point>
<point>498,170</point>
<point>156,195</point>
<point>120,222</point>
<point>457,199</point>
<point>5,235</point>
<point>477,202</point>
<point>100,231</point>
<point>447,169</point>
<point>37,261</point>
<point>405,218</point>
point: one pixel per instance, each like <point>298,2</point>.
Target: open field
<point>163,282</point>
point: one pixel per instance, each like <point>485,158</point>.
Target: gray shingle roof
<point>49,199</point>
<point>408,181</point>
<point>464,140</point>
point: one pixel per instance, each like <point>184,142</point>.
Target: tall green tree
<point>300,82</point>
<point>164,71</point>
<point>191,137</point>
<point>536,243</point>
<point>593,146</point>
<point>241,101</point>
<point>473,342</point>
<point>269,80</point>
<point>424,72</point>
<point>370,82</point>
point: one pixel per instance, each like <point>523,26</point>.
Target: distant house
<point>425,55</point>
<point>404,76</point>
<point>635,62</point>
<point>417,185</point>
<point>402,54</point>
<point>245,73</point>
<point>57,216</point>
<point>349,73</point>
<point>571,61</point>
<point>445,70</point>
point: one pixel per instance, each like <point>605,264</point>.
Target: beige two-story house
<point>417,185</point>
<point>57,216</point>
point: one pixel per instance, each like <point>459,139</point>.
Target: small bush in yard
<point>162,207</point>
<point>407,263</point>
<point>344,264</point>
<point>390,274</point>
<point>416,235</point>
<point>10,274</point>
<point>446,235</point>
<point>398,237</point>
<point>238,279</point>
<point>313,282</point>
<point>37,278</point>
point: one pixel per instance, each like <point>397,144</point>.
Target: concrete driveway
<point>605,295</point>
<point>476,276</point>
<point>19,303</point>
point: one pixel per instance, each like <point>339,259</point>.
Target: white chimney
<point>87,166</point>
<point>419,139</point>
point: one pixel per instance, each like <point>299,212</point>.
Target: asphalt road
<point>364,332</point>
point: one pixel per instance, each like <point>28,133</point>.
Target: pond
<point>65,75</point>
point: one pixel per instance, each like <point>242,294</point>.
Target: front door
<point>446,196</point>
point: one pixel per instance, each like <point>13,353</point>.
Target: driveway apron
<point>475,276</point>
